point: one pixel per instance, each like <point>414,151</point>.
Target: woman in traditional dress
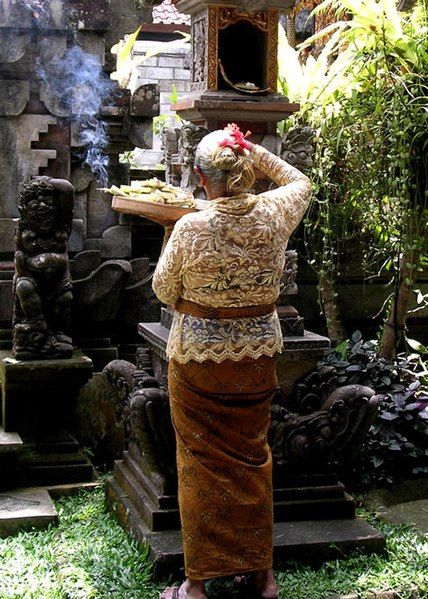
<point>222,267</point>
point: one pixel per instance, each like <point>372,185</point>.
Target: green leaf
<point>126,50</point>
<point>417,346</point>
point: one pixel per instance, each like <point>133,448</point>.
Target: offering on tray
<point>153,199</point>
<point>153,190</point>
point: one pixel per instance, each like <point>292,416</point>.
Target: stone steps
<point>307,541</point>
<point>320,509</point>
<point>9,443</point>
<point>55,469</point>
<point>156,518</point>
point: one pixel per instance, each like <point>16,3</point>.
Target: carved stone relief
<point>297,148</point>
<point>190,136</point>
<point>199,41</point>
<point>318,423</point>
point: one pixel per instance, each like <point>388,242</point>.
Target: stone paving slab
<point>21,509</point>
<point>409,490</point>
<point>405,503</point>
<point>410,512</point>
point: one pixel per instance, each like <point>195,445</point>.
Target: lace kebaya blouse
<point>232,254</point>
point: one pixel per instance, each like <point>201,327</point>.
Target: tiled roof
<point>167,14</point>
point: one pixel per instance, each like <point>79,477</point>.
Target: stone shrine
<point>313,421</point>
<point>61,116</point>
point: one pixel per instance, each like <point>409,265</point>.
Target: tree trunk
<point>406,5</point>
<point>394,327</point>
<point>331,309</point>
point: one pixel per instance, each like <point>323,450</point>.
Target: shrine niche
<point>234,58</point>
<point>241,49</point>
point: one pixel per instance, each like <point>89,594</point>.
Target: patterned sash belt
<point>187,307</point>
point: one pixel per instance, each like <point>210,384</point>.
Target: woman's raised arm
<point>294,191</point>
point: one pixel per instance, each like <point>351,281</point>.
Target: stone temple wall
<point>46,111</point>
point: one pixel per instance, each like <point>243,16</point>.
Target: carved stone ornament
<point>199,41</point>
<point>292,325</point>
<point>318,424</point>
<point>297,147</point>
<point>42,282</point>
<point>190,136</point>
<point>142,407</point>
<point>151,424</point>
<point>321,425</point>
<point>169,140</point>
<point>288,280</point>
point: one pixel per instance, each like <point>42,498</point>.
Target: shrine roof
<point>166,13</point>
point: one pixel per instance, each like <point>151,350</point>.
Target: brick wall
<point>168,68</point>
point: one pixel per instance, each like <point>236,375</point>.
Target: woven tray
<point>164,214</point>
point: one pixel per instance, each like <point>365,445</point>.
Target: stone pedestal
<point>38,401</point>
<point>38,395</point>
<point>300,353</point>
<point>214,110</point>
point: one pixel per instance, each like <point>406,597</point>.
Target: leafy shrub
<point>395,447</point>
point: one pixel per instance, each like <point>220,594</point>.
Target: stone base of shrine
<point>306,541</point>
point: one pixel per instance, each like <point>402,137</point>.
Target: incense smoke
<point>82,87</point>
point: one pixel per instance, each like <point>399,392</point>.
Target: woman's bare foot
<point>190,589</point>
<point>265,584</point>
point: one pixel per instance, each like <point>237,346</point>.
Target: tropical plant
<point>395,447</point>
<point>366,97</point>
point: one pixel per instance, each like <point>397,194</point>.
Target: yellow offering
<point>153,190</point>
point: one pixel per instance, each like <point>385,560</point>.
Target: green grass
<point>88,556</point>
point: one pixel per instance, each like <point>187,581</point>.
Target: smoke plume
<point>80,84</point>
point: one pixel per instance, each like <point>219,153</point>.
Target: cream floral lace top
<point>231,255</point>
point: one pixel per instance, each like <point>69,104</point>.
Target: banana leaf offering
<point>153,199</point>
<point>153,190</point>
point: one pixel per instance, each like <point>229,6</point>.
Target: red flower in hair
<point>235,139</point>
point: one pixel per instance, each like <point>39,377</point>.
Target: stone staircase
<point>31,473</point>
<point>20,508</point>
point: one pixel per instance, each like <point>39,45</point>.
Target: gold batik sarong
<point>221,415</point>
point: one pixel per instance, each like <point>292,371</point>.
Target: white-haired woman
<point>222,268</point>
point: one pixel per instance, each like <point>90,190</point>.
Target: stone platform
<point>38,394</point>
<point>300,355</point>
<point>306,541</point>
